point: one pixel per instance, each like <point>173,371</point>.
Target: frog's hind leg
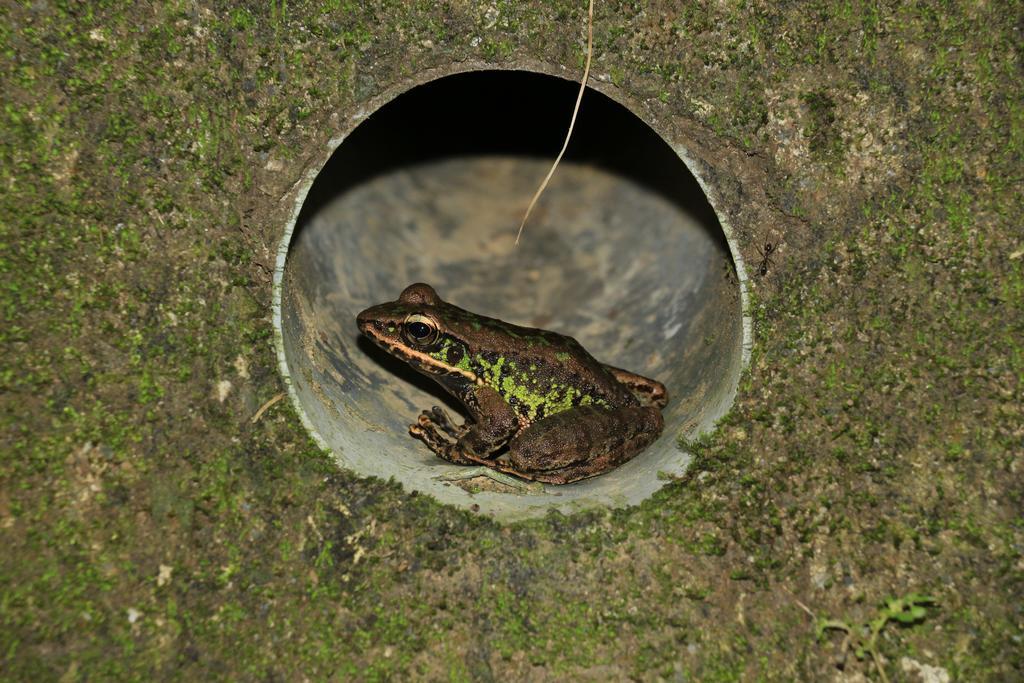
<point>581,442</point>
<point>646,390</point>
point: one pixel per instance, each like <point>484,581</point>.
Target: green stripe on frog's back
<point>530,393</point>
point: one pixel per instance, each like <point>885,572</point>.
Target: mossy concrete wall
<point>148,158</point>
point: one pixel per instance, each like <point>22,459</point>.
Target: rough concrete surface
<point>149,155</point>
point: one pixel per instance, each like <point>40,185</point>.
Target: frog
<point>540,407</point>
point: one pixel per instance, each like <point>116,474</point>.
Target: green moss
<point>135,222</point>
<point>824,139</point>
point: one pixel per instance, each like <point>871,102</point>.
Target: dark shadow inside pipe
<point>517,113</point>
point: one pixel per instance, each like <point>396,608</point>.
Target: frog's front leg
<point>494,422</point>
<point>581,442</point>
<point>437,439</point>
<point>439,417</point>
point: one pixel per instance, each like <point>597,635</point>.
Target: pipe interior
<point>623,252</point>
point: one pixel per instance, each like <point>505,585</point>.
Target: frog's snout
<point>370,325</point>
<point>373,324</point>
<point>364,321</point>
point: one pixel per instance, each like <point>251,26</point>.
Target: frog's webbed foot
<point>439,418</point>
<point>494,475</point>
<point>439,437</point>
<point>493,424</point>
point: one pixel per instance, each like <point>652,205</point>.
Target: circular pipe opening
<point>623,252</point>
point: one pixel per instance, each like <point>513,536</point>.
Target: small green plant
<point>863,640</point>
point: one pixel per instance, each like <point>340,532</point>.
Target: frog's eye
<point>420,330</point>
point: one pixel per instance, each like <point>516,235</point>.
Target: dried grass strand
<point>266,406</point>
<point>572,122</point>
